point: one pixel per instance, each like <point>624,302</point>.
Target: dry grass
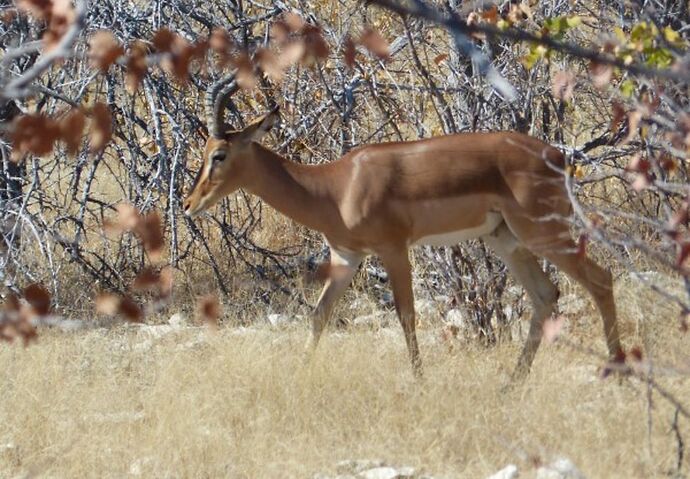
<point>243,403</point>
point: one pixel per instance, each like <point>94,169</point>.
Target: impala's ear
<point>258,129</point>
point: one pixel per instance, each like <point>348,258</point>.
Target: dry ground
<point>243,403</point>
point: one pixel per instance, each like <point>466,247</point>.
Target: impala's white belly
<point>454,237</point>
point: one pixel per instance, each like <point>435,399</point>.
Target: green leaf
<point>627,88</point>
<point>573,21</point>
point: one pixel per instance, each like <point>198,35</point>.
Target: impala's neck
<point>289,188</point>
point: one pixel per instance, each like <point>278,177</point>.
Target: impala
<point>504,188</point>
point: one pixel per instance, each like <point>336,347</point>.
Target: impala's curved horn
<point>217,98</point>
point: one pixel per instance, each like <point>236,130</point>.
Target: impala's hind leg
<point>551,239</point>
<point>342,268</point>
<point>543,294</point>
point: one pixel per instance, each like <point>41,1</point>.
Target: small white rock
<point>355,466</point>
<point>561,468</point>
<point>426,309</point>
<point>278,319</point>
<point>177,320</point>
<point>456,317</point>
<point>380,473</point>
<point>508,472</point>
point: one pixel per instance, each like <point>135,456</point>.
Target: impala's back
<point>447,189</point>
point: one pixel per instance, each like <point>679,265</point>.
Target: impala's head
<point>228,152</point>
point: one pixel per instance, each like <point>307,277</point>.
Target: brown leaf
<point>222,44</point>
<point>150,231</point>
<point>618,114</point>
<point>638,164</point>
<point>71,130</point>
<point>128,217</point>
<point>148,279</point>
<point>151,280</point>
<point>490,15</point>
<point>130,310</point>
<point>165,283</point>
<point>440,58</point>
<point>373,41</point>
<point>636,353</point>
<point>38,298</point>
<point>315,46</point>
<point>136,65</point>
<point>270,64</point>
<point>111,304</point>
<point>209,310</point>
<point>180,54</point>
<point>101,127</point>
<point>40,9</point>
<point>59,21</point>
<point>292,53</point>
<point>163,40</point>
<point>563,85</point>
<point>104,50</point>
<point>107,304</point>
<point>293,21</point>
<point>601,74</point>
<point>280,31</point>
<point>350,52</point>
<point>11,304</point>
<point>33,134</point>
<point>245,71</point>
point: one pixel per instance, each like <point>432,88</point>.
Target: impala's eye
<point>218,156</point>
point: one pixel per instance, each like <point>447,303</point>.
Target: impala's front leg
<point>397,263</point>
<point>342,268</point>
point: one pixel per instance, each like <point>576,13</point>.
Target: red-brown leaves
<point>147,227</point>
<point>101,127</point>
<point>617,116</point>
<point>209,310</point>
<point>490,15</point>
<point>349,52</point>
<point>37,134</point>
<point>136,65</point>
<point>294,22</point>
<point>640,166</point>
<point>17,317</point>
<point>440,58</point>
<point>38,299</point>
<point>373,41</point>
<point>298,41</point>
<point>104,50</point>
<point>245,77</point>
<point>601,74</point>
<point>33,134</point>
<point>178,52</point>
<point>150,231</point>
<point>58,15</point>
<point>124,306</point>
<point>222,44</point>
<point>563,85</point>
<point>71,130</point>
<point>163,40</point>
